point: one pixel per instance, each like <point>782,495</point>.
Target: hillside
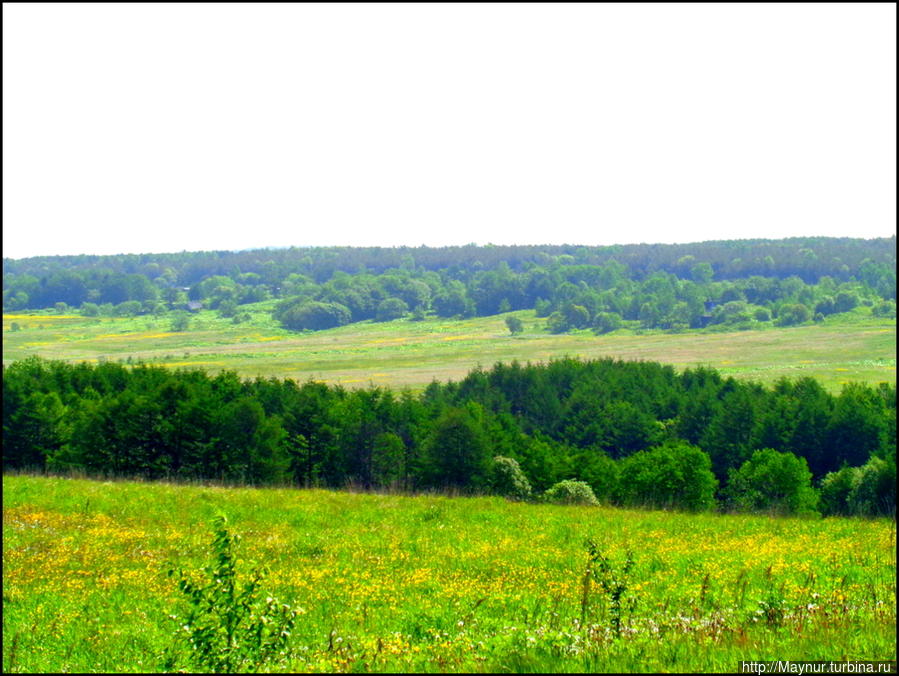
<point>852,347</point>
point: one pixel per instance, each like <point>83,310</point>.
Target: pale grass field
<point>854,347</point>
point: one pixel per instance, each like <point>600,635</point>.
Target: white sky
<point>164,127</point>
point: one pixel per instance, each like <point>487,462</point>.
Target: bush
<point>677,475</point>
<point>227,308</point>
<point>845,301</point>
<point>868,490</point>
<point>885,309</point>
<point>791,315</point>
<point>761,315</point>
<point>874,489</point>
<point>771,480</point>
<point>129,308</point>
<point>599,471</point>
<point>606,322</point>
<point>835,490</point>
<point>515,325</point>
<point>298,314</point>
<point>391,308</point>
<point>570,492</point>
<point>230,625</point>
<point>507,478</point>
<point>556,323</point>
<point>180,321</point>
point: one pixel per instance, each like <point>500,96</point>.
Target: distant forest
<point>735,284</point>
<point>628,433</point>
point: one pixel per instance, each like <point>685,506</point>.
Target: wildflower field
<point>435,583</point>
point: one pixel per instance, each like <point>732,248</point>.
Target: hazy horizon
<point>415,246</point>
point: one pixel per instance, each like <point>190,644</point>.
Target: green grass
<point>433,583</point>
<point>853,347</point>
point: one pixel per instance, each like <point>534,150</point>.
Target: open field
<point>440,584</point>
<point>846,348</point>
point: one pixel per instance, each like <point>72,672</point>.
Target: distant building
<point>194,305</point>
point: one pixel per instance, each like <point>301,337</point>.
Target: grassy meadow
<point>853,347</point>
<point>433,583</point>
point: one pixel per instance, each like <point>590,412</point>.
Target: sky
<point>149,128</point>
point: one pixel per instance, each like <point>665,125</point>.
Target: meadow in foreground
<point>433,583</point>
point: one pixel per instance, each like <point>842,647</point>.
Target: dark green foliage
<point>675,476</point>
<point>457,451</point>
<point>229,625</point>
<point>857,428</point>
<point>515,325</point>
<point>299,314</point>
<point>885,309</point>
<point>793,314</point>
<point>634,432</point>
<point>770,480</point>
<point>388,460</point>
<point>835,490</point>
<point>874,487</point>
<point>33,427</point>
<point>391,308</point>
<point>599,471</point>
<point>665,287</point>
<point>453,301</point>
<point>869,489</point>
<point>606,322</point>
<point>729,432</point>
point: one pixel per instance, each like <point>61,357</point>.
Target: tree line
<point>591,288</point>
<point>635,433</point>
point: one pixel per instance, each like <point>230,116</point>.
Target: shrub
<point>791,315</point>
<point>227,308</point>
<point>867,490</point>
<point>129,308</point>
<point>514,324</point>
<point>90,309</point>
<point>771,480</point>
<point>599,471</point>
<point>677,475</point>
<point>391,308</point>
<point>606,322</point>
<point>556,323</point>
<point>298,314</point>
<point>845,301</point>
<point>571,492</point>
<point>230,625</point>
<point>835,490</point>
<point>874,489</point>
<point>761,315</point>
<point>507,478</point>
<point>885,309</point>
<point>180,321</point>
